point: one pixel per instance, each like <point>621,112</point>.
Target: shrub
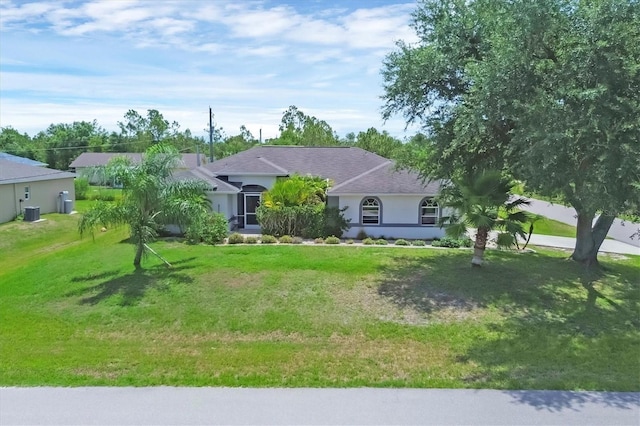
<point>251,240</point>
<point>334,221</point>
<point>291,220</point>
<point>210,228</point>
<point>402,242</point>
<point>349,241</point>
<point>235,238</point>
<point>332,240</point>
<point>451,242</point>
<point>381,242</point>
<point>319,240</point>
<point>361,235</point>
<point>103,195</point>
<point>269,239</point>
<point>307,220</point>
<point>286,239</point>
<point>297,240</point>
<point>81,185</point>
<point>368,241</point>
<point>466,242</point>
<point>418,243</point>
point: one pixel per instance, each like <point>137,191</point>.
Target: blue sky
<point>249,60</point>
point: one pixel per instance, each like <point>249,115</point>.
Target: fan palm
<point>482,201</point>
<point>151,199</point>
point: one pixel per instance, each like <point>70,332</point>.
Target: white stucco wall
<point>266,181</point>
<point>223,203</point>
<point>400,217</point>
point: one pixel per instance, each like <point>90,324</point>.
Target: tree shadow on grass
<point>559,327</point>
<point>132,287</point>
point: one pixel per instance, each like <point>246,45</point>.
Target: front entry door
<point>251,203</point>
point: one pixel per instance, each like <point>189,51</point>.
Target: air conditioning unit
<point>31,214</point>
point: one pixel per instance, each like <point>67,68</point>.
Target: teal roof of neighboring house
<point>21,160</point>
<point>12,172</point>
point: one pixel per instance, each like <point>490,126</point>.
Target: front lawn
<point>75,312</point>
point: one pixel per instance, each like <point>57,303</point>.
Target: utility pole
<point>210,136</point>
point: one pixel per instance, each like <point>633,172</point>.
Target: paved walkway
<point>241,406</point>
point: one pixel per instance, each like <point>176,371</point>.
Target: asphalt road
<point>620,230</point>
<point>363,406</point>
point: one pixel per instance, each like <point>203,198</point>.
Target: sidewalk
<point>305,406</point>
<point>608,246</point>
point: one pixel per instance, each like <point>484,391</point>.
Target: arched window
<point>370,211</point>
<point>429,212</point>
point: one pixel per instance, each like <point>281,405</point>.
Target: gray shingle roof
<point>92,159</point>
<point>387,180</point>
<point>205,175</point>
<point>12,172</point>
<point>352,170</point>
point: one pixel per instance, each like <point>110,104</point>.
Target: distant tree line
<point>61,143</point>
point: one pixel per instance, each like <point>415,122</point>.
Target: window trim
<point>434,205</point>
<point>362,210</point>
<point>27,193</point>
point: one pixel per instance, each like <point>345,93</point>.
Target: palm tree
<point>150,200</point>
<point>296,190</point>
<point>483,201</point>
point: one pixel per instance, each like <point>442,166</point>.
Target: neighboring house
<point>23,185</point>
<point>21,160</point>
<point>86,160</point>
<point>380,200</point>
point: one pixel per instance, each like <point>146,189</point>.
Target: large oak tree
<point>548,91</point>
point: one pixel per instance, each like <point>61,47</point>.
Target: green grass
<point>546,226</point>
<point>75,312</point>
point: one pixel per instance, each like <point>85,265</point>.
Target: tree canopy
<point>546,91</point>
<point>298,128</point>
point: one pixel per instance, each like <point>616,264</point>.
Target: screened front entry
<point>251,203</point>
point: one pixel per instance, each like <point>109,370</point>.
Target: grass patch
<point>546,226</point>
<point>75,312</point>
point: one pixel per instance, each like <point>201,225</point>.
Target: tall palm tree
<point>150,200</point>
<point>483,201</point>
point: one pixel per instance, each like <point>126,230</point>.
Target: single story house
<point>379,199</point>
<point>87,160</point>
<point>24,185</point>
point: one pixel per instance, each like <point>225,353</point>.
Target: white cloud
<point>248,60</point>
<point>9,12</point>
